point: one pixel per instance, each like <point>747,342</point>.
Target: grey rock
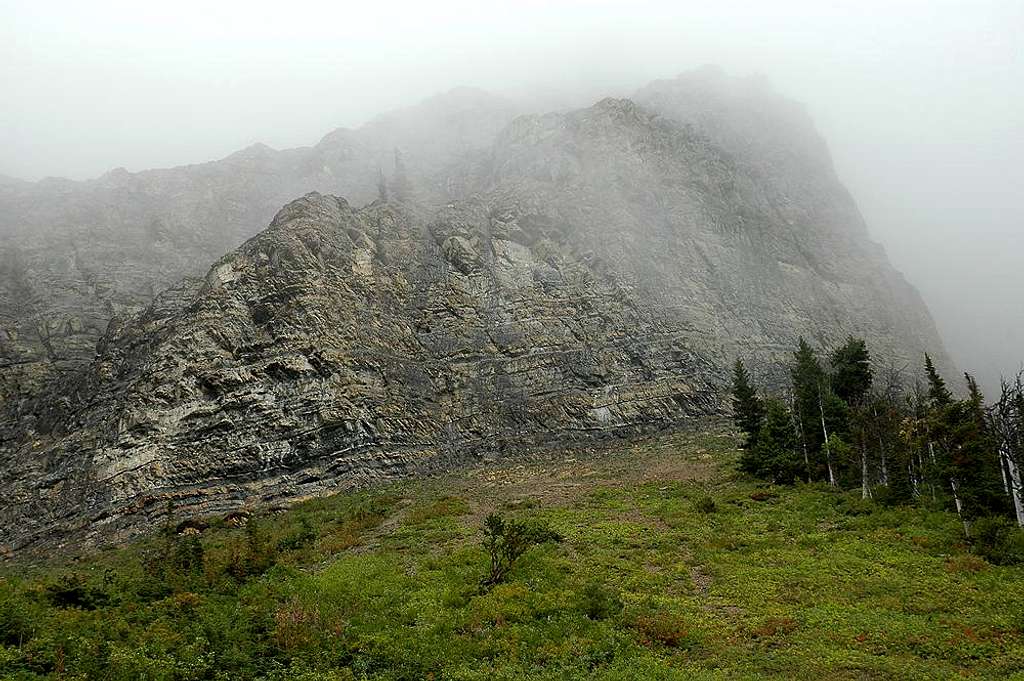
<point>594,274</point>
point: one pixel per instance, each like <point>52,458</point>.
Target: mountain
<point>589,273</point>
<point>76,254</point>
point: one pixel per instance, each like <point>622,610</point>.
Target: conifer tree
<point>962,449</point>
<point>747,409</point>
<point>851,371</point>
<point>938,394</point>
<point>851,381</point>
<point>807,377</point>
<point>774,455</point>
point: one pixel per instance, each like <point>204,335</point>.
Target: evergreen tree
<point>851,371</point>
<point>900,488</point>
<point>851,381</point>
<point>962,450</point>
<point>938,394</point>
<point>973,461</point>
<point>807,377</point>
<point>747,409</point>
<point>833,415</point>
<point>774,455</point>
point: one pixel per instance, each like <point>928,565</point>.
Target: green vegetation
<point>902,447</point>
<point>671,565</point>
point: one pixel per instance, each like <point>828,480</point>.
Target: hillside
<point>760,203</point>
<point>77,254</point>
<point>668,565</point>
<point>597,274</point>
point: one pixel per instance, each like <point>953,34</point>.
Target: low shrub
<point>507,540</point>
<point>662,628</point>
<point>302,536</point>
<point>598,602</point>
<point>16,621</point>
<point>74,591</point>
<point>705,504</point>
<point>998,540</point>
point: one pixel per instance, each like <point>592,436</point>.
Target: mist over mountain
<point>529,340</point>
<point>458,282</point>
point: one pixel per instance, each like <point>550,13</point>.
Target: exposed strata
<point>590,273</point>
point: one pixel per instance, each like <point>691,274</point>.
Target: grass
<point>672,566</point>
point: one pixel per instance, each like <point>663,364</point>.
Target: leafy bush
<point>998,540</point>
<point>705,504</point>
<point>507,540</point>
<point>73,591</point>
<point>599,602</point>
<point>303,536</point>
<point>658,627</point>
<point>16,626</point>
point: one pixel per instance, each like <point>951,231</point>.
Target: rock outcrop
<point>341,346</point>
<point>73,255</point>
<point>588,273</point>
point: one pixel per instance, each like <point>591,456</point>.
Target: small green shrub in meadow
<point>506,540</point>
<point>705,504</point>
<point>599,602</point>
<point>998,540</point>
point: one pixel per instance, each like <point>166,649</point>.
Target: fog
<point>921,102</point>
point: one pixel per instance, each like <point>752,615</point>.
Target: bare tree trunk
<point>960,507</point>
<point>1016,489</point>
<point>931,452</point>
<point>1003,465</point>
<point>865,488</point>
<point>881,451</point>
<point>828,449</point>
<point>798,422</point>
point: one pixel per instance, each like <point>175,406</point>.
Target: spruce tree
<point>747,409</point>
<point>807,377</point>
<point>973,458</point>
<point>851,371</point>
<point>774,455</point>
<point>938,394</point>
<point>850,381</point>
<point>963,450</point>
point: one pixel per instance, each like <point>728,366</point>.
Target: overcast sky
<point>921,102</point>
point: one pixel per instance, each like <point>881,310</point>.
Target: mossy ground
<point>649,583</point>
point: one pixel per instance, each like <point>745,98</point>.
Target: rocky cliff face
<point>75,254</point>
<point>589,273</point>
<point>341,346</point>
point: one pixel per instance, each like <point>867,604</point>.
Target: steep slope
<point>806,262</point>
<point>599,274</point>
<point>337,347</point>
<point>740,260</point>
<point>75,254</point>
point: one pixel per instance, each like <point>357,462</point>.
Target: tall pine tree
<point>938,394</point>
<point>774,455</point>
<point>851,371</point>
<point>747,409</point>
<point>807,376</point>
<point>851,381</point>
